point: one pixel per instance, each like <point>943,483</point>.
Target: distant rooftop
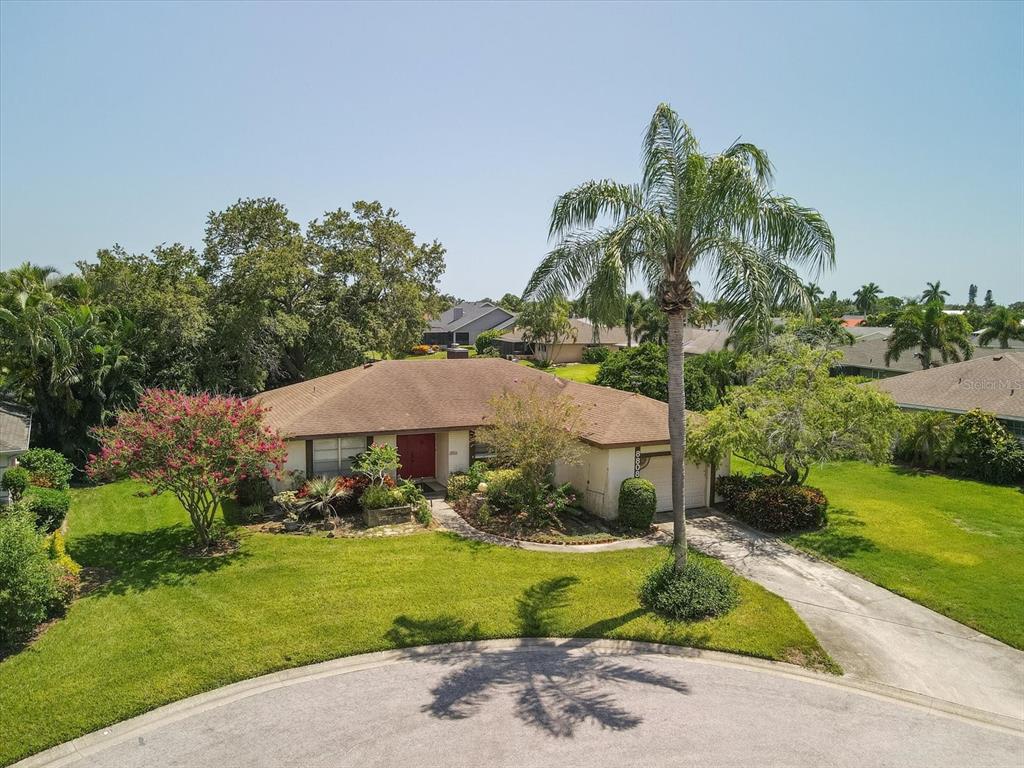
<point>15,428</point>
<point>465,312</point>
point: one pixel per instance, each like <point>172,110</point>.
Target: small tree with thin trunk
<point>198,447</point>
<point>531,430</point>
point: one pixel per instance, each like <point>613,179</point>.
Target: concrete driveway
<point>544,703</point>
<point>874,634</point>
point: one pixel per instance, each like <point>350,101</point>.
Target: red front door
<point>416,452</point>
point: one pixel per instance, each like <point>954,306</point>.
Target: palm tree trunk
<point>677,434</point>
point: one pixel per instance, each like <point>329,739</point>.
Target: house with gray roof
<point>993,382</point>
<point>15,429</point>
<point>462,323</point>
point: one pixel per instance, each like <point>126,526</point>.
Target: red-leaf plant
<point>196,446</point>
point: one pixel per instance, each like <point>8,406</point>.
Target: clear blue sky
<point>128,123</point>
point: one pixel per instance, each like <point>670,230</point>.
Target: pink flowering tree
<point>198,447</point>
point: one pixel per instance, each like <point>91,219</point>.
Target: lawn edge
<point>83,746</point>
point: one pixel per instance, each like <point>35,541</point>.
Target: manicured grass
<point>956,546</point>
<point>585,372</point>
<point>167,626</point>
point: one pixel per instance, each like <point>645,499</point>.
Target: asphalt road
<point>543,705</point>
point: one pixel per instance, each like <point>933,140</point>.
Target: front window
<point>335,456</point>
<point>480,451</point>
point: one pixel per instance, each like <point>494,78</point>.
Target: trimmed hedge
<point>703,589</point>
<point>48,469</point>
<point>638,501</point>
<point>30,587</point>
<point>15,481</point>
<point>49,505</point>
<point>769,505</point>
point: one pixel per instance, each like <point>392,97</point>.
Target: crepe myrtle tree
<point>690,211</point>
<point>198,447</point>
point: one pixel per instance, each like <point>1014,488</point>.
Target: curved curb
<point>97,741</point>
<point>455,523</point>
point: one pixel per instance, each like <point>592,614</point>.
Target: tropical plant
<point>989,302</point>
<point>198,447</point>
<point>934,292</point>
<point>927,329</point>
<point>926,439</point>
<point>546,324</point>
<point>689,211</point>
<point>323,495</point>
<point>642,369</point>
<point>378,463</point>
<point>972,295</point>
<point>814,293</point>
<point>865,297</point>
<point>632,309</point>
<point>651,324</point>
<point>1001,325</point>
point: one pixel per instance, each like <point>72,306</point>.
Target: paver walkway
<point>544,703</point>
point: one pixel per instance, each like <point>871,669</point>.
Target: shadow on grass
<point>835,541</point>
<point>555,688</point>
<point>141,560</point>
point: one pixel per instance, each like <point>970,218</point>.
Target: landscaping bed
<point>573,526</point>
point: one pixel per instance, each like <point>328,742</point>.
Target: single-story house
<point>866,357</point>
<point>696,341</point>
<point>430,410</point>
<point>993,383</point>
<point>462,323</point>
<point>15,429</point>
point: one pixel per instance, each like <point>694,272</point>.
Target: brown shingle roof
<point>994,383</point>
<point>428,395</point>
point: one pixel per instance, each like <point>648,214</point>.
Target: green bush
<point>703,589</point>
<point>68,571</point>
<point>642,369</point>
<point>253,490</point>
<point>507,490</point>
<point>984,449</point>
<point>485,342</point>
<point>477,474</point>
<point>29,579</point>
<point>381,497</point>
<point>638,502</point>
<point>49,505</point>
<point>48,469</point>
<point>595,354</point>
<point>15,481</point>
<point>542,363</point>
<point>769,505</point>
<point>459,486</point>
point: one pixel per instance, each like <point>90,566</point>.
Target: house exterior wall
<point>492,319</point>
<point>567,353</point>
<point>457,459</point>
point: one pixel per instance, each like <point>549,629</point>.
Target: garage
<point>658,469</point>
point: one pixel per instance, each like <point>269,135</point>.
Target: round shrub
<point>47,468</point>
<point>381,497</point>
<point>595,354</point>
<point>28,578</point>
<point>49,505</point>
<point>638,501</point>
<point>253,490</point>
<point>701,590</point>
<point>15,481</point>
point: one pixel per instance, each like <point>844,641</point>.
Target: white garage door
<point>659,472</point>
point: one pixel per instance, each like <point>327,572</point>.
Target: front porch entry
<point>416,453</point>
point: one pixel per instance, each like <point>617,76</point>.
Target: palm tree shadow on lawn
<point>555,688</point>
<point>836,541</point>
<point>140,560</point>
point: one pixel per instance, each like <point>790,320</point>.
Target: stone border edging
<point>455,523</point>
<point>83,746</point>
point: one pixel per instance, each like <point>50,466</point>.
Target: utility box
<point>458,353</point>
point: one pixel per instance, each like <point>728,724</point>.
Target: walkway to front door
<point>416,452</point>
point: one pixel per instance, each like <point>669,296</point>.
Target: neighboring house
<point>852,321</point>
<point>696,341</point>
<point>866,356</point>
<point>993,383</point>
<point>465,321</point>
<point>15,428</point>
<point>431,409</point>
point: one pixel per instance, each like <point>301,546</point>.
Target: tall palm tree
<point>689,210</point>
<point>865,297</point>
<point>651,324</point>
<point>814,293</point>
<point>934,292</point>
<point>1003,325</point>
<point>925,327</point>
<point>631,314</point>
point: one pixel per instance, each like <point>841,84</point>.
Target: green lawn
<point>167,626</point>
<point>956,546</point>
<point>585,372</point>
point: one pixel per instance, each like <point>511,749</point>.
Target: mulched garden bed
<point>576,527</point>
<point>345,526</point>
